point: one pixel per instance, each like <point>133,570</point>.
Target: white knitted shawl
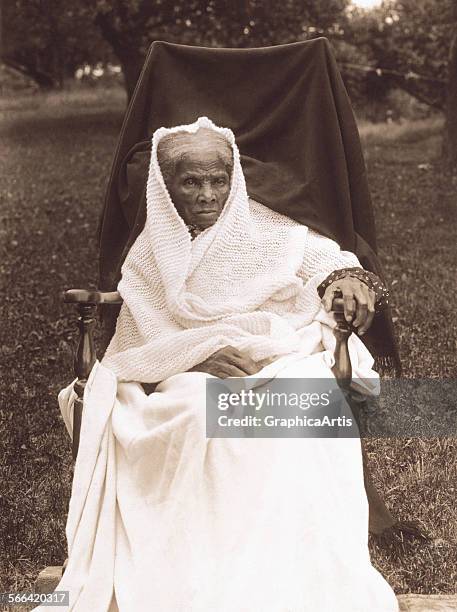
<point>248,281</point>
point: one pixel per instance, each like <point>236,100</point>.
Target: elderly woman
<point>164,518</point>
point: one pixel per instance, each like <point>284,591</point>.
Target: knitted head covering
<point>178,146</point>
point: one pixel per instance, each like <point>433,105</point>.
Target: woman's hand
<point>359,301</point>
<point>228,361</point>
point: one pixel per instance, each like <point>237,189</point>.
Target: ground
<point>57,150</point>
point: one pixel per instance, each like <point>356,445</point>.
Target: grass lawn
<point>56,153</point>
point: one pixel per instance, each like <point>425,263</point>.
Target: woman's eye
<point>221,181</point>
<point>189,181</point>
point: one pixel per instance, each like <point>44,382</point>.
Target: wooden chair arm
<point>83,296</point>
<point>342,368</point>
<point>86,303</point>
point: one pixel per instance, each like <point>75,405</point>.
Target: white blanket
<point>162,518</point>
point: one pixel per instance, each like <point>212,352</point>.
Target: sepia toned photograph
<point>228,351</point>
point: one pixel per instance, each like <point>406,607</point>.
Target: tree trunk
<point>450,128</point>
<point>124,49</point>
<point>43,79</point>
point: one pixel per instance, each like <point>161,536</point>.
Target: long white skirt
<point>162,518</point>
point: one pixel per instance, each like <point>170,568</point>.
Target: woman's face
<point>200,187</point>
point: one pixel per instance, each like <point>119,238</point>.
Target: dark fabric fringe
<point>387,365</point>
<point>401,532</point>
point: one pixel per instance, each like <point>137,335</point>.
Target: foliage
<point>48,40</point>
<point>240,23</point>
<point>131,27</point>
<point>411,37</point>
<point>61,36</point>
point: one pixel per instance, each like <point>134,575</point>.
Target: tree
<point>450,131</point>
<point>48,40</point>
<point>413,46</point>
<point>60,35</point>
<point>407,39</point>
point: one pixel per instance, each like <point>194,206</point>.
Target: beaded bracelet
<point>370,279</point>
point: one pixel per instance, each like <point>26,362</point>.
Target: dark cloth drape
<point>296,132</point>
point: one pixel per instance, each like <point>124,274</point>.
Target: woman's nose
<point>206,193</point>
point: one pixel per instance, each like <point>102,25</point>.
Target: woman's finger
<point>247,365</point>
<point>329,295</point>
<point>371,312</point>
<point>361,296</point>
<point>232,371</point>
<point>349,304</point>
<point>242,361</point>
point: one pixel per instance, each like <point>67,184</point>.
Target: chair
<point>314,67</point>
